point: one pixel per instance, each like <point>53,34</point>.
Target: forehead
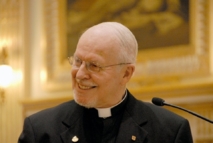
<point>98,41</point>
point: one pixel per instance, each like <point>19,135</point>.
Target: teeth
<point>84,87</point>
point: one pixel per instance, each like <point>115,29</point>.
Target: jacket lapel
<point>130,131</point>
<point>73,134</point>
<point>73,123</point>
<point>133,123</point>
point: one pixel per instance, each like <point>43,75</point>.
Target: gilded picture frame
<point>156,67</point>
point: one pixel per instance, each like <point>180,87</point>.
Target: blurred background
<point>175,59</point>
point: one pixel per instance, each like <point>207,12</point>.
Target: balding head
<point>114,32</point>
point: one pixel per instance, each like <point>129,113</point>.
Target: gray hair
<point>129,45</point>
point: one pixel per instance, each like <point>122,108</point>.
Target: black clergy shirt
<point>103,130</point>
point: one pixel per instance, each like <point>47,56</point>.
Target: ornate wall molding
<point>193,63</point>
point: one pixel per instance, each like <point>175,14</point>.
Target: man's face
<point>98,89</point>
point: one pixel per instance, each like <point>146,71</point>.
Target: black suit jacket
<point>147,122</point>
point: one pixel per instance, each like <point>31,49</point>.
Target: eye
<point>77,62</point>
<point>93,67</point>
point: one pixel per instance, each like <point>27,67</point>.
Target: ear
<point>129,70</point>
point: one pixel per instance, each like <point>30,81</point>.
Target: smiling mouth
<point>85,87</point>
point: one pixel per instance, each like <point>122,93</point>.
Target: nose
<point>82,72</point>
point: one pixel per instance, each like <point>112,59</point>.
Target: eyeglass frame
<point>88,64</point>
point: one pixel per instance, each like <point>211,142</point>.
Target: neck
<point>106,112</point>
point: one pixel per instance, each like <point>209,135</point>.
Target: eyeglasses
<point>90,66</point>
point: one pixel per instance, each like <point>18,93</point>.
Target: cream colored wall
<point>23,28</point>
<point>10,37</point>
<point>20,26</point>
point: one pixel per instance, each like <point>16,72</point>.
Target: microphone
<point>160,102</point>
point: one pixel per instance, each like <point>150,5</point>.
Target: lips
<point>85,87</point>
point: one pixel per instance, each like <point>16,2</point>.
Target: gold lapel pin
<point>75,139</point>
<point>133,138</point>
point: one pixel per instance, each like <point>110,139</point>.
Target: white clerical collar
<point>106,112</point>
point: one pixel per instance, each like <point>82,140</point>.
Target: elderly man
<point>103,110</point>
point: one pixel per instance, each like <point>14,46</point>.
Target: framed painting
<point>172,36</point>
<point>155,23</point>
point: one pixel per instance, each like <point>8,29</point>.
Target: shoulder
<point>54,113</point>
<point>152,112</point>
<point>48,123</point>
<point>161,124</point>
<point>161,113</point>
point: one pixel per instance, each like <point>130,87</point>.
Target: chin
<point>88,103</point>
<point>85,104</point>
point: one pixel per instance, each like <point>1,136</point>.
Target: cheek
<point>73,73</point>
<point>73,76</point>
<point>108,83</point>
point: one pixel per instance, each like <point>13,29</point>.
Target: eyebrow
<point>90,61</point>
